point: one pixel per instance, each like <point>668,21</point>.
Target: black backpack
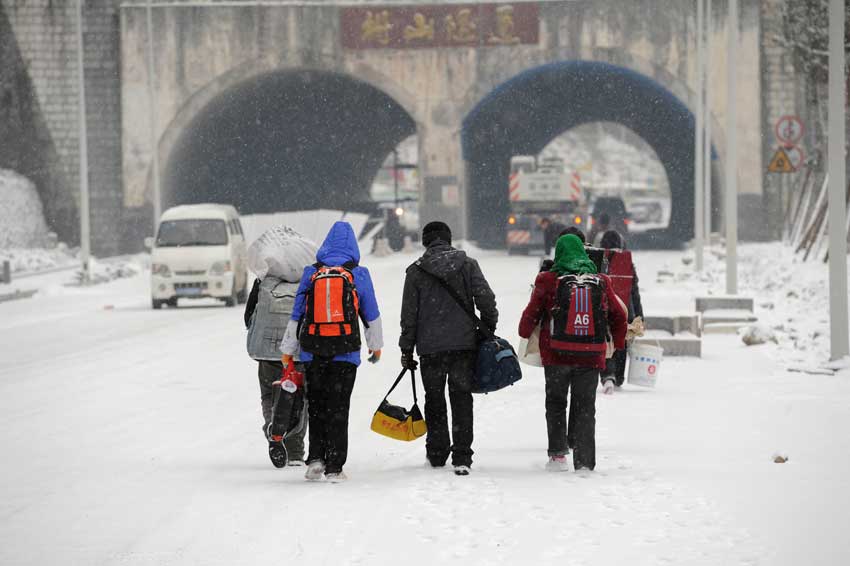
<point>331,319</point>
<point>580,317</point>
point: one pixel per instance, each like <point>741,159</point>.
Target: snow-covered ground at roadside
<point>131,436</point>
<point>24,260</point>
<point>21,214</point>
<point>791,296</point>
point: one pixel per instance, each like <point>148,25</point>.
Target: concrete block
<point>723,327</point>
<point>675,324</point>
<point>724,302</point>
<point>676,346</point>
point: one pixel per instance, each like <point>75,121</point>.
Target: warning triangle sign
<point>780,163</point>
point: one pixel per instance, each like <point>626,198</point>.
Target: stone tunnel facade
<point>204,51</point>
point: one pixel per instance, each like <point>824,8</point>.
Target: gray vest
<point>271,316</point>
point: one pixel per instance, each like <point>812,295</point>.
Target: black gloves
<point>407,361</point>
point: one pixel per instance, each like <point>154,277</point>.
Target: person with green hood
<point>564,371</point>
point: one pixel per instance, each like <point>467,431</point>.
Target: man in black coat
<point>551,232</point>
<point>446,339</point>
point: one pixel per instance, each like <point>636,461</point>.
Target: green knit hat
<point>570,257</point>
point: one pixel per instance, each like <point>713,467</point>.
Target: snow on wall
<point>22,223</point>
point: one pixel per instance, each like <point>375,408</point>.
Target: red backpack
<point>579,321</point>
<point>617,265</point>
<point>331,320</point>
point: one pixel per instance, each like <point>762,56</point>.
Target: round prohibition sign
<point>789,130</point>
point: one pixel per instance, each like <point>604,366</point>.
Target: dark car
<point>615,208</point>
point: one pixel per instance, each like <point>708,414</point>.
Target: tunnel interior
<point>521,116</point>
<point>294,140</point>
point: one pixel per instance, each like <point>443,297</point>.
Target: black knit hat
<point>436,231</point>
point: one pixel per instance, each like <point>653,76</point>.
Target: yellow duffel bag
<point>397,422</point>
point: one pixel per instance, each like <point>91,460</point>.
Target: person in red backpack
<point>577,310</point>
<point>334,295</point>
<point>621,269</point>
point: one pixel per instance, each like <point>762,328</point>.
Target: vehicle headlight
<point>160,269</point>
<point>220,268</point>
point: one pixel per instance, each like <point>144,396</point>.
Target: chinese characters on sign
<point>454,25</point>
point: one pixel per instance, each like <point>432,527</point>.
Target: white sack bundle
<point>281,252</point>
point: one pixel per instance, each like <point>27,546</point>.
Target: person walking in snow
<point>546,264</point>
<point>333,297</point>
<point>552,230</point>
<point>622,268</point>
<point>277,258</point>
<point>268,318</point>
<point>600,226</point>
<point>569,368</point>
<point>446,339</point>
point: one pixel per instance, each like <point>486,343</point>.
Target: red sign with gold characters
<point>447,25</point>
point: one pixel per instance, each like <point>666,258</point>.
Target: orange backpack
<point>330,325</point>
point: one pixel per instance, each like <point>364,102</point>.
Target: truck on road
<point>538,190</point>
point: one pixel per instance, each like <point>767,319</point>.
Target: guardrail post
<point>6,274</point>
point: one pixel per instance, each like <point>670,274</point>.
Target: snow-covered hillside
<point>131,436</point>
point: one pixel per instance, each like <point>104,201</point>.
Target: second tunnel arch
<point>527,111</point>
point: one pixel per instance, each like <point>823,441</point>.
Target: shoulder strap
<point>454,295</point>
<point>398,380</point>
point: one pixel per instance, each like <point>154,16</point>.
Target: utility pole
<point>85,221</point>
<point>838,332</point>
<point>698,141</point>
<point>731,204</point>
<point>395,180</point>
<point>156,195</point>
<point>706,163</point>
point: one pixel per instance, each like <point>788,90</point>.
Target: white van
<point>199,251</point>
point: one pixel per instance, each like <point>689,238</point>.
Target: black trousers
<point>329,387</point>
<point>582,381</point>
<point>269,372</point>
<point>615,367</point>
<point>457,369</point>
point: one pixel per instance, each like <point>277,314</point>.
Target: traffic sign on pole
<point>789,130</point>
<point>780,163</point>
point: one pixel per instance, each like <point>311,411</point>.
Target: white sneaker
<point>557,464</point>
<point>461,470</point>
<point>315,471</point>
<point>608,388</point>
<point>336,477</point>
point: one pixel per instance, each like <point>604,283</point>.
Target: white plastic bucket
<point>644,362</point>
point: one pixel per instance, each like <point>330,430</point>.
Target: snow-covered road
<point>132,436</point>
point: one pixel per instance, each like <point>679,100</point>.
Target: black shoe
<point>277,454</point>
<point>437,462</point>
<point>461,470</point>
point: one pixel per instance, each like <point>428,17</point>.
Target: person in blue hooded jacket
<point>330,381</point>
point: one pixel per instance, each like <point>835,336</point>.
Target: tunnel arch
<point>285,139</point>
<point>524,113</point>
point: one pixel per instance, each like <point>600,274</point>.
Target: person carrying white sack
<point>277,258</point>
